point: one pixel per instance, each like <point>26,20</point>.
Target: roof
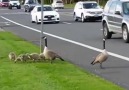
<point>88,1</point>
<point>39,5</point>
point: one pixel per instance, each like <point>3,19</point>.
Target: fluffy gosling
<point>12,56</point>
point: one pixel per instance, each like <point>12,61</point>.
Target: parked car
<point>29,5</point>
<point>116,19</point>
<point>14,3</point>
<point>4,3</point>
<point>58,4</point>
<point>49,14</point>
<point>87,10</point>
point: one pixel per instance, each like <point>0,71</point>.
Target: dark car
<point>116,19</point>
<point>29,5</point>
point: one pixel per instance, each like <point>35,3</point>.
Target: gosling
<point>22,57</point>
<point>12,56</point>
<point>34,56</point>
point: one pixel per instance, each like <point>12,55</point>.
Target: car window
<point>112,7</point>
<point>5,0</point>
<point>31,2</point>
<point>106,8</point>
<point>118,7</point>
<point>126,8</point>
<point>45,9</point>
<point>90,6</point>
<point>59,2</point>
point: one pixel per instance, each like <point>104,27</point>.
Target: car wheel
<point>57,21</point>
<point>106,33</point>
<point>18,7</point>
<point>37,20</point>
<point>82,18</point>
<point>10,7</point>
<point>25,10</point>
<point>125,34</point>
<point>74,17</point>
<point>32,21</point>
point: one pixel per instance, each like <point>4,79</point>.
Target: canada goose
<point>12,56</point>
<point>50,54</point>
<point>103,56</point>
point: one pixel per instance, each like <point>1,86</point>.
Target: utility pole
<point>41,34</point>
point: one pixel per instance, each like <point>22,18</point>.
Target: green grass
<point>69,5</point>
<point>42,75</point>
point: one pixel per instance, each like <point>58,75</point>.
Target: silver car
<point>116,19</point>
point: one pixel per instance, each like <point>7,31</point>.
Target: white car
<point>87,10</point>
<point>14,3</point>
<point>49,14</point>
<point>58,4</point>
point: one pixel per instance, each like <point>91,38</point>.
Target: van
<point>4,3</point>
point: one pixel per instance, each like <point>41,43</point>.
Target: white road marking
<point>66,23</point>
<point>68,40</point>
<point>14,13</point>
<point>101,29</point>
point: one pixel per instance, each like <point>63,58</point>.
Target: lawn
<point>42,75</point>
<point>69,5</point>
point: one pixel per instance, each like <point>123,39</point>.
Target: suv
<point>87,10</point>
<point>58,4</point>
<point>29,5</point>
<point>116,19</point>
<point>14,3</point>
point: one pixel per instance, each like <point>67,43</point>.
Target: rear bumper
<point>94,17</point>
<point>4,5</point>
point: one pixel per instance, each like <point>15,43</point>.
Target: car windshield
<point>13,0</point>
<point>126,8</point>
<point>59,2</point>
<point>31,2</point>
<point>45,9</point>
<point>90,6</point>
<point>5,0</point>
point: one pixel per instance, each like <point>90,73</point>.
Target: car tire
<point>37,20</point>
<point>82,18</point>
<point>57,21</point>
<point>18,7</point>
<point>25,10</point>
<point>74,17</point>
<point>10,7</point>
<point>106,33</point>
<point>125,34</point>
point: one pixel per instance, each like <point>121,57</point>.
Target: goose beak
<point>44,37</point>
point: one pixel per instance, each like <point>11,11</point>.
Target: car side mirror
<point>117,12</point>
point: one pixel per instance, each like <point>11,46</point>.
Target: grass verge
<point>42,75</point>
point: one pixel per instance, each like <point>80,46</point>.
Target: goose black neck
<point>103,43</point>
<point>46,42</point>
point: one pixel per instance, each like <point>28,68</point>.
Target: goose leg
<point>101,66</point>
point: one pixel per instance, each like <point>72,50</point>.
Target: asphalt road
<point>75,41</point>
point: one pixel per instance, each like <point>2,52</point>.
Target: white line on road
<point>66,23</point>
<point>68,40</point>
